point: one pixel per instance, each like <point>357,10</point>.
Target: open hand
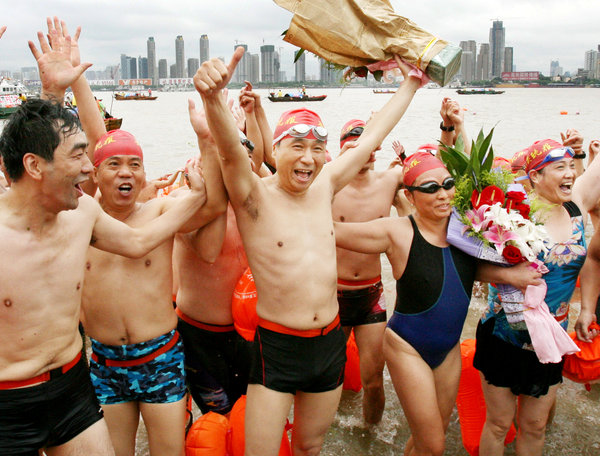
<point>198,121</point>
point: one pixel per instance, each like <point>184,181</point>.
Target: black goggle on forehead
<point>356,131</point>
<point>433,187</point>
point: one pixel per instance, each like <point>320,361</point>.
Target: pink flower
<point>477,219</point>
<point>497,236</point>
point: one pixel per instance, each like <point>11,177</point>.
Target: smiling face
<point>436,205</point>
<point>555,181</point>
<point>63,176</point>
<point>120,179</point>
<point>299,161</point>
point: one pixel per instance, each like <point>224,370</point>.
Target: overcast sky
<point>539,31</point>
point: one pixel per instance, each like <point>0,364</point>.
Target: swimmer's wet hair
<point>37,127</point>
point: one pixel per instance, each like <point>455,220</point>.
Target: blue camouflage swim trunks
<point>151,371</point>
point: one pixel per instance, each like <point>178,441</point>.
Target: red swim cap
<point>347,128</point>
<point>295,117</point>
<point>417,164</point>
<point>431,148</point>
<point>517,162</point>
<point>116,142</point>
<point>539,150</point>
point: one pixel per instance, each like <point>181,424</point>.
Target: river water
<point>519,116</point>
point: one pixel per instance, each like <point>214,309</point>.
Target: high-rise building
<point>300,68</point>
<point>192,67</point>
<point>591,63</point>
<point>132,62</point>
<point>163,69</point>
<point>151,46</point>
<point>555,69</point>
<point>204,50</point>
<point>508,59</point>
<point>267,64</point>
<point>179,57</point>
<point>124,67</point>
<point>143,67</point>
<point>497,33</point>
<point>254,71</point>
<point>468,64</point>
<point>328,74</point>
<point>483,63</point>
<point>173,71</point>
<point>242,70</point>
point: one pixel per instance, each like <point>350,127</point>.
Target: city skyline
<point>116,29</point>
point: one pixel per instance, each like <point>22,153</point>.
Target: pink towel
<point>550,341</point>
<point>388,65</point>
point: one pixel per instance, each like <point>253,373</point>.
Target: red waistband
<point>299,332</point>
<point>100,359</point>
<point>359,283</point>
<point>48,375</point>
<point>201,325</point>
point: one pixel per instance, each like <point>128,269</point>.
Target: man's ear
<point>34,165</point>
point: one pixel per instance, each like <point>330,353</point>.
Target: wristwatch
<point>444,128</point>
<point>580,156</point>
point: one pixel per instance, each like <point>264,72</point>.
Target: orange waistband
<point>359,283</point>
<point>49,375</point>
<point>201,325</point>
<point>276,327</point>
<point>137,361</point>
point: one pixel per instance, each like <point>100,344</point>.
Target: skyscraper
<point>124,67</point>
<point>192,67</point>
<point>591,63</point>
<point>254,71</point>
<point>267,63</point>
<point>497,49</point>
<point>179,57</point>
<point>143,67</point>
<point>483,62</point>
<point>468,64</point>
<point>555,68</point>
<point>508,59</point>
<point>132,62</point>
<point>300,68</point>
<point>163,69</point>
<point>151,46</point>
<point>204,50</point>
<point>241,72</point>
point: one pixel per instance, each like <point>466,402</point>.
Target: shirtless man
<point>368,196</point>
<point>46,226</point>
<point>287,228</point>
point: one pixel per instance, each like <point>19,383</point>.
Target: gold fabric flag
<point>358,33</point>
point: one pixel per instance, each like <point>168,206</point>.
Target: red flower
<point>361,72</point>
<point>490,195</point>
<point>512,254</point>
<point>517,197</point>
<point>523,209</point>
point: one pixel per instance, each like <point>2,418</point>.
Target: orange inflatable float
<point>584,366</point>
<point>243,306</point>
<point>470,402</point>
<point>208,436</point>
<point>352,369</point>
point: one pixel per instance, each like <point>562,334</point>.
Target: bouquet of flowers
<point>491,219</point>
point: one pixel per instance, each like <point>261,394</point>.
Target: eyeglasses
<point>302,131</point>
<point>433,187</point>
<point>356,131</point>
<point>556,154</point>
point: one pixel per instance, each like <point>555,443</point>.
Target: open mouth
<point>125,189</point>
<point>303,175</point>
<point>78,189</point>
<point>566,188</point>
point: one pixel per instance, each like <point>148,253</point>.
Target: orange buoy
<point>563,113</point>
<point>237,423</point>
<point>470,402</point>
<point>584,366</point>
<point>352,369</point>
<point>243,306</point>
<point>208,436</point>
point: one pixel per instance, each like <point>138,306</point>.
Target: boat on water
<point>113,123</point>
<point>479,91</point>
<point>384,90</point>
<point>134,96</point>
<point>288,97</point>
<point>8,105</point>
<point>11,92</point>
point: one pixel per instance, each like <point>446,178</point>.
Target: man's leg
<point>501,405</point>
<point>532,417</point>
<point>369,340</point>
<point>122,421</point>
<point>313,414</point>
<point>94,441</point>
<point>165,424</point>
<point>266,414</point>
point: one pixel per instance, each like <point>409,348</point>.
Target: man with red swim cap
<point>137,363</point>
<point>286,224</point>
<point>369,195</point>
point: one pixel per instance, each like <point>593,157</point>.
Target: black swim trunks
<point>362,306</point>
<point>506,365</point>
<point>288,360</point>
<point>48,414</point>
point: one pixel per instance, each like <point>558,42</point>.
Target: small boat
<point>482,91</point>
<point>134,96</point>
<point>288,97</point>
<point>112,123</point>
<point>8,105</point>
<point>384,90</point>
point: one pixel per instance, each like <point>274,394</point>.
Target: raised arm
<point>207,241</point>
<point>114,236</point>
<point>453,123</point>
<point>210,80</point>
<point>248,100</point>
<point>345,167</point>
<point>265,129</point>
<point>590,290</point>
<point>586,191</point>
<point>573,139</point>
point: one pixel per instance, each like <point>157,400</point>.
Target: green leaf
<point>378,75</point>
<point>284,32</point>
<point>298,54</point>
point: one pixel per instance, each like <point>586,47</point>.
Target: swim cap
<point>431,148</point>
<point>517,162</point>
<point>116,142</point>
<point>501,162</point>
<point>537,157</point>
<point>296,117</point>
<point>417,164</point>
<point>347,128</point>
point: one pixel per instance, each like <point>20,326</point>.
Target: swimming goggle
<point>356,131</point>
<point>433,187</point>
<point>554,155</point>
<point>302,131</point>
